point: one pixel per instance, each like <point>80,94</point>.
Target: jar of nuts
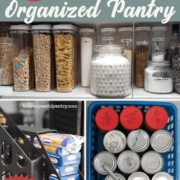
<point>44,61</point>
<point>23,62</point>
<point>66,56</point>
<point>6,59</point>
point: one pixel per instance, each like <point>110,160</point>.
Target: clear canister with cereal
<point>23,61</point>
<point>6,59</point>
<point>44,62</point>
<point>66,56</point>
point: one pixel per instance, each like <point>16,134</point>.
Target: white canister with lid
<point>108,36</point>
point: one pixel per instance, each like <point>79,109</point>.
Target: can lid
<point>131,118</point>
<point>162,141</point>
<point>162,176</point>
<point>125,29</point>
<point>104,158</point>
<point>152,162</point>
<point>41,26</point>
<point>138,140</point>
<point>156,117</point>
<point>159,28</point>
<point>20,27</point>
<point>144,28</point>
<point>114,141</point>
<point>119,176</point>
<point>128,162</point>
<point>138,176</point>
<point>65,27</point>
<point>107,119</point>
<point>86,30</point>
<point>108,30</point>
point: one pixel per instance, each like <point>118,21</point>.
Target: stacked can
<point>134,145</point>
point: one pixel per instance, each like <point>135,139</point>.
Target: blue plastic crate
<point>95,138</point>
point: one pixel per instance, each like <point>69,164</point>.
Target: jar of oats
<point>66,56</point>
<point>6,60</point>
<point>44,62</point>
<point>23,62</point>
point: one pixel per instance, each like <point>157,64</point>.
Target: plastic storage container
<point>95,138</point>
<point>87,44</point>
<point>158,77</point>
<point>110,72</point>
<point>108,36</point>
<point>66,52</point>
<point>141,53</point>
<point>158,43</point>
<point>44,61</point>
<point>23,62</point>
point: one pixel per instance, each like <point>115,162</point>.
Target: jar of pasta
<point>44,62</point>
<point>66,56</point>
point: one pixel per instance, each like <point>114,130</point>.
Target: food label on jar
<point>5,44</point>
<point>108,39</point>
<point>158,39</point>
<point>142,43</point>
<point>162,79</point>
<point>126,40</point>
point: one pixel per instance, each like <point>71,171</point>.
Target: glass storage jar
<point>158,77</point>
<point>44,60</point>
<point>110,72</point>
<point>108,36</point>
<point>66,56</point>
<point>141,54</point>
<point>23,62</point>
<point>6,59</point>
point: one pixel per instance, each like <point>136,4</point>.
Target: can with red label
<point>106,119</point>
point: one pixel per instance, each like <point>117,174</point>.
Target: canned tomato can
<point>161,141</point>
<point>162,176</point>
<point>128,162</point>
<point>152,162</point>
<point>114,141</point>
<point>119,176</point>
<point>138,140</point>
<point>104,158</point>
<point>106,119</point>
<point>138,176</point>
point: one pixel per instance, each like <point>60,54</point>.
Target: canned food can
<point>104,158</point>
<point>162,141</point>
<point>162,175</point>
<point>138,176</point>
<point>114,141</point>
<point>138,140</point>
<point>152,162</point>
<point>119,176</point>
<point>128,162</point>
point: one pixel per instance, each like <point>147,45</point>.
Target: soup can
<point>138,176</point>
<point>119,176</point>
<point>162,175</point>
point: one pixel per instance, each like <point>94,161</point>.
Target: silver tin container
<point>114,141</point>
<point>152,162</point>
<point>138,140</point>
<point>138,176</point>
<point>119,176</point>
<point>128,162</point>
<point>104,158</point>
<point>162,141</point>
<point>162,176</point>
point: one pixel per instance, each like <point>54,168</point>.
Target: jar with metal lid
<point>152,162</point>
<point>161,141</point>
<point>114,141</point>
<point>66,55</point>
<point>108,36</point>
<point>162,175</point>
<point>138,140</point>
<point>158,77</point>
<point>23,60</point>
<point>6,59</point>
<point>44,62</point>
<point>107,159</point>
<point>138,176</point>
<point>119,176</point>
<point>110,72</point>
<point>128,162</point>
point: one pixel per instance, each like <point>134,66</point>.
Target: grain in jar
<point>66,56</point>
<point>44,61</point>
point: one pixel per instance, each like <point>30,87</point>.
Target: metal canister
<point>138,140</point>
<point>162,141</point>
<point>114,141</point>
<point>138,176</point>
<point>128,162</point>
<point>152,162</point>
<point>162,175</point>
<point>104,158</point>
<point>119,176</point>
